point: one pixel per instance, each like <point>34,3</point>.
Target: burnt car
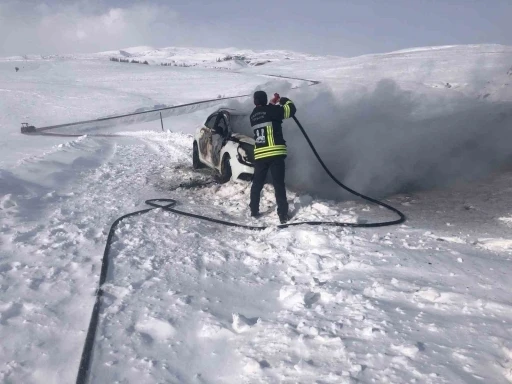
<point>217,145</point>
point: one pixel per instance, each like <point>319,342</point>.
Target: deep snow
<point>192,302</point>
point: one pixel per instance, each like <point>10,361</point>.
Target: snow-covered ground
<point>228,58</point>
<point>192,302</point>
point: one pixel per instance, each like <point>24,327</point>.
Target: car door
<point>227,117</point>
<point>205,138</point>
<point>219,135</point>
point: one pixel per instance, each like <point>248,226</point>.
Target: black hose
<point>43,131</point>
<point>401,218</point>
<point>85,360</point>
<point>168,205</point>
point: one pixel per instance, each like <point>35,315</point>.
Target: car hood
<point>243,138</point>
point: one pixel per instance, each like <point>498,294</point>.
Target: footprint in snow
<point>9,311</point>
<point>311,298</point>
<point>409,351</point>
<point>158,330</point>
<point>7,202</point>
<point>242,324</point>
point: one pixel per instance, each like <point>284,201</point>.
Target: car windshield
<point>211,121</point>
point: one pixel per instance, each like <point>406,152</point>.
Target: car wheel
<point>196,163</point>
<point>225,173</point>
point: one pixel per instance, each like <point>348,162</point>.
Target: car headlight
<point>242,154</point>
<point>246,153</point>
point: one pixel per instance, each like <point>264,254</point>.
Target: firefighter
<point>270,149</point>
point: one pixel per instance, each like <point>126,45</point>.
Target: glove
<point>276,98</point>
<point>283,100</point>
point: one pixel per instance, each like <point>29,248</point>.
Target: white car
<point>216,146</point>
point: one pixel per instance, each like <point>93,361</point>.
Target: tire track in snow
<point>51,293</point>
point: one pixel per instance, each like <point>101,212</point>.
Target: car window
<point>211,121</point>
<point>222,127</point>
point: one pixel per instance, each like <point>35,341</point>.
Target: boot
<point>284,218</point>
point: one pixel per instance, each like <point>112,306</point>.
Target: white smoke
<point>389,140</point>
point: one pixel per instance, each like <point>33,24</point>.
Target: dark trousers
<point>261,168</point>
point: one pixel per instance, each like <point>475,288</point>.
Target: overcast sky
<point>335,27</point>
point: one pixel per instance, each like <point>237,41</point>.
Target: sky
<point>324,27</point>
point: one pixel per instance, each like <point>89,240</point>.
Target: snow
<point>498,245</point>
<point>188,56</point>
<point>188,301</point>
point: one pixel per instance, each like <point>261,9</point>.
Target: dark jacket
<point>266,122</point>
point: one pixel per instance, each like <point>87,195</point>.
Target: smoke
<point>389,140</point>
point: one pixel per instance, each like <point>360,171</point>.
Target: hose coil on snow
<point>169,205</point>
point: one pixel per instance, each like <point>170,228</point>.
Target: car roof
<point>231,111</point>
